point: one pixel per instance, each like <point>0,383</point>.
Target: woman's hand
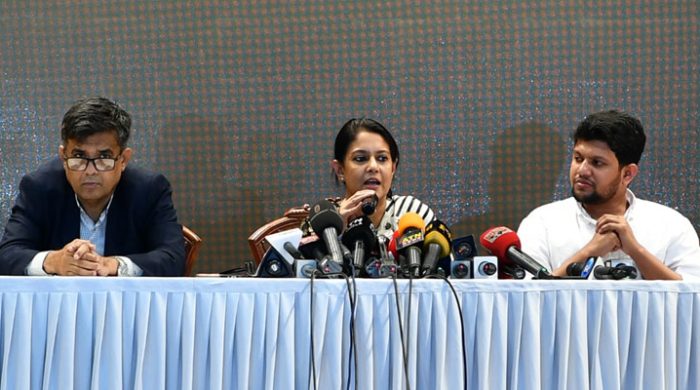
<point>351,207</point>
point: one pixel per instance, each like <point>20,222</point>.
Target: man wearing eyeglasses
<point>87,213</point>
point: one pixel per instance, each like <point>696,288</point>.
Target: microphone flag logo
<point>493,234</point>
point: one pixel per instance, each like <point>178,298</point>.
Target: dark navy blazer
<point>141,221</point>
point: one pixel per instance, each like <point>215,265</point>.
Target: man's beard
<point>596,198</point>
<point>592,198</point>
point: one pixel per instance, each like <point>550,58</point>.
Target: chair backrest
<point>192,244</point>
<point>292,218</point>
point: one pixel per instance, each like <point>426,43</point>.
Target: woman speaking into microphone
<point>366,158</point>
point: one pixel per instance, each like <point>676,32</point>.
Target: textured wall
<point>239,102</point>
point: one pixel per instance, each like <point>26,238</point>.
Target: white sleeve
<point>130,268</point>
<point>683,253</point>
<point>36,266</point>
<point>534,239</point>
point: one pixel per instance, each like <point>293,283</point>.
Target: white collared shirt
<point>554,232</point>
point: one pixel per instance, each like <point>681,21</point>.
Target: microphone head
<point>411,220</point>
<point>582,268</point>
<point>411,237</point>
<point>324,215</point>
<point>370,204</point>
<point>498,239</point>
<point>292,250</point>
<point>359,229</point>
<point>631,272</point>
<point>605,272</point>
<point>321,205</point>
<point>391,247</point>
<point>574,269</point>
<point>312,247</point>
<point>438,233</point>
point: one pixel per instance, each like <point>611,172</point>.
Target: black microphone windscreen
<point>292,250</point>
<point>359,229</point>
<point>312,247</point>
<point>321,205</point>
<point>369,204</point>
<point>574,269</point>
<point>324,215</point>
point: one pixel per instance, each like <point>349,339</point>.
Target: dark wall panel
<point>239,102</point>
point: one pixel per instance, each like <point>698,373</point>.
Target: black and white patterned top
<point>396,207</point>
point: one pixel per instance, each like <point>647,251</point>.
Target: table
<point>200,333</point>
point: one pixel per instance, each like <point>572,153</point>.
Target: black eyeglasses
<point>101,164</point>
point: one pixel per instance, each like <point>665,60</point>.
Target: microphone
<point>411,228</point>
<point>511,272</point>
<point>292,250</point>
<point>361,238</point>
<point>383,266</point>
<point>369,204</point>
<point>629,270</point>
<point>437,245</point>
<point>391,247</point>
<point>347,256</point>
<point>582,269</point>
<point>574,269</point>
<point>285,243</point>
<point>618,272</point>
<point>326,220</point>
<point>505,245</point>
<point>278,260</point>
<point>312,247</point>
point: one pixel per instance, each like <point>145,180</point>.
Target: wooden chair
<point>192,244</point>
<point>291,219</point>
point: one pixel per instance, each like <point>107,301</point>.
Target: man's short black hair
<point>622,132</point>
<point>95,115</point>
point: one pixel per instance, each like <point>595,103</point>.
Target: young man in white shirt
<point>603,218</point>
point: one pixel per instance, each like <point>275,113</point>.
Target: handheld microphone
<point>361,237</point>
<point>437,245</point>
<point>505,245</point>
<point>411,227</point>
<point>370,204</point>
<point>326,220</point>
